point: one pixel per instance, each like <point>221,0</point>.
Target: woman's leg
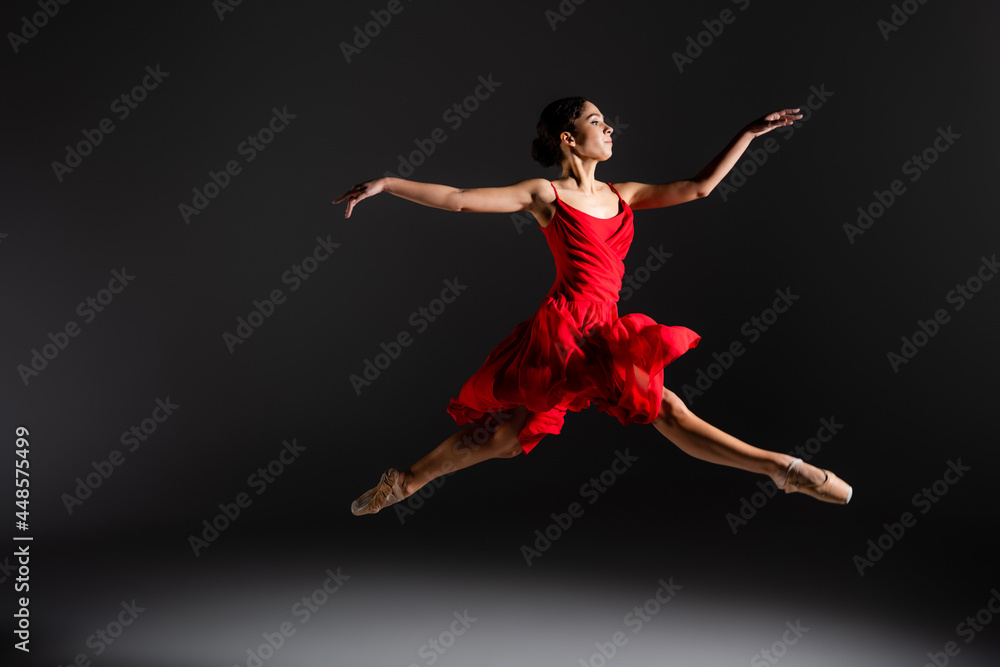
<point>471,445</point>
<point>702,440</point>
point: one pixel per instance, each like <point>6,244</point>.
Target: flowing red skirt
<point>571,355</point>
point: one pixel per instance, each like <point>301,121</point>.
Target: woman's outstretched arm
<point>644,195</point>
<point>521,196</point>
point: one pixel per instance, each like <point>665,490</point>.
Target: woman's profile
<point>576,351</point>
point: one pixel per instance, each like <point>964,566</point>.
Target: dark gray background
<point>666,516</point>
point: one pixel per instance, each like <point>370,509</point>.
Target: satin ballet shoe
<point>831,490</point>
<point>388,491</point>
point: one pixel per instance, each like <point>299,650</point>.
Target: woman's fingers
<point>353,196</point>
<point>359,192</point>
<point>791,115</point>
<point>352,202</point>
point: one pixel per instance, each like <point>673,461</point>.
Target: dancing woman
<point>576,351</point>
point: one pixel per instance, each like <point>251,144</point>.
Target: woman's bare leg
<point>473,444</point>
<point>699,439</point>
<point>497,438</point>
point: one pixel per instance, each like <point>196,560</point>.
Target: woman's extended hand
<point>361,191</point>
<point>767,123</point>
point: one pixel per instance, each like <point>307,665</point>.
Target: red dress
<point>575,351</point>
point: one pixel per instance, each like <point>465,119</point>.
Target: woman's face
<point>592,137</point>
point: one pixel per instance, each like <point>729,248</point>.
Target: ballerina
<point>576,351</point>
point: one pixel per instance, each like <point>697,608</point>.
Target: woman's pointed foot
<point>388,491</point>
<point>802,477</point>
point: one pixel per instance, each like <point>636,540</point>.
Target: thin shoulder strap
<point>613,190</point>
<point>554,188</point>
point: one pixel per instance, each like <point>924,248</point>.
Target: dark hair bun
<point>556,118</point>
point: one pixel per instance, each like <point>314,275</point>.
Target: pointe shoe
<point>388,491</point>
<point>831,490</point>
